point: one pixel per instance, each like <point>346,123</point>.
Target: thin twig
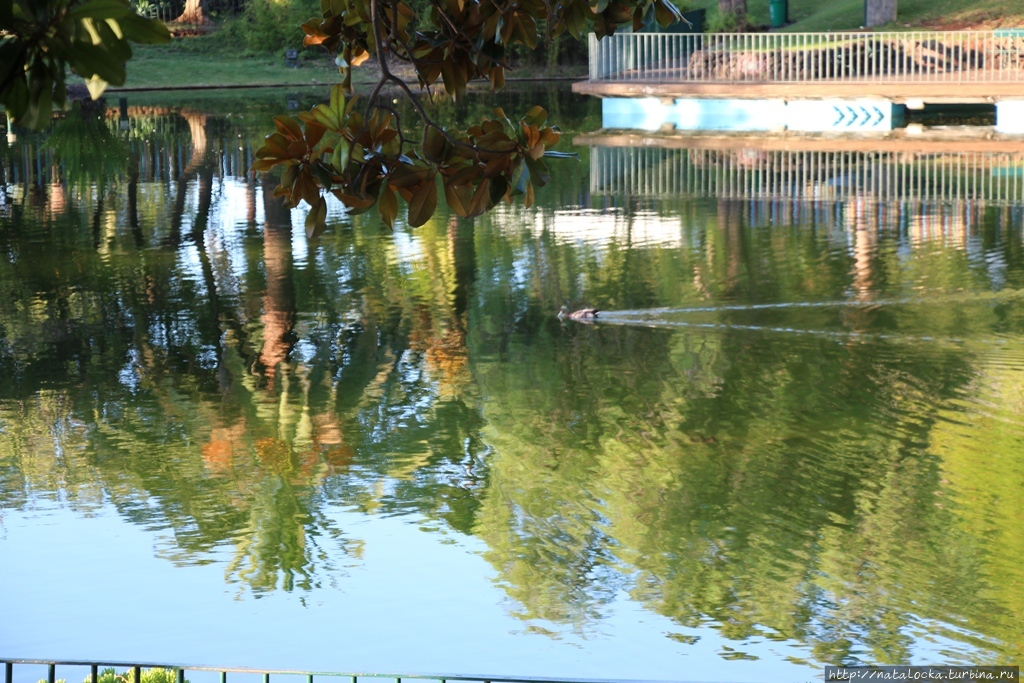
<point>398,124</point>
<point>386,75</point>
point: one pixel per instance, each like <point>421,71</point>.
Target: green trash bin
<point>778,12</point>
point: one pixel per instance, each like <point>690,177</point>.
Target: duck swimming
<point>582,315</point>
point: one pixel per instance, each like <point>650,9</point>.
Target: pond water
<point>797,439</point>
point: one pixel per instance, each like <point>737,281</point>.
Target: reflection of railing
<point>993,178</point>
<point>94,667</point>
<point>905,57</point>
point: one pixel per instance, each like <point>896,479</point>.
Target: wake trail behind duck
<point>965,297</point>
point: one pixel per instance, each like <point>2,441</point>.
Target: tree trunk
<point>192,14</point>
<point>133,202</point>
<point>737,9</point>
<point>279,299</point>
<point>879,12</point>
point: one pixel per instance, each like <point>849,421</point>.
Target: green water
<point>223,443</point>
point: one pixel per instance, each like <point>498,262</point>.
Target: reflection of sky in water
<point>407,248</point>
<point>593,227</point>
<point>408,605</point>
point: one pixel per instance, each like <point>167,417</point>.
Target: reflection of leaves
<point>87,150</point>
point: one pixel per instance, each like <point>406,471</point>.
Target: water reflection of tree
<point>211,384</point>
<point>190,347</point>
<point>774,490</point>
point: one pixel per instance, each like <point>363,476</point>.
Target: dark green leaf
<point>316,219</point>
<point>12,55</point>
<point>498,189</point>
<point>388,206</point>
<point>341,155</point>
<point>423,203</point>
<point>433,144</point>
<point>15,97</point>
<point>536,116</point>
<point>322,175</point>
<point>538,171</point>
<point>459,198</point>
<point>520,178</point>
<point>91,60</point>
<point>142,30</point>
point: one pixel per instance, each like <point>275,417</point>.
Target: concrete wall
<point>1010,117</point>
<point>651,113</point>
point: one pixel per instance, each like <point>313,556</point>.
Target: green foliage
<point>721,23</point>
<point>40,39</point>
<point>267,25</point>
<point>148,676</point>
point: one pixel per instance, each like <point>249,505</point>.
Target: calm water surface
<point>223,443</point>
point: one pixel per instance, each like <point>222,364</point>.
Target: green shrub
<point>148,676</point>
<point>721,23</point>
<point>269,25</point>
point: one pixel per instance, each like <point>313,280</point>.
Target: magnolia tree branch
<point>363,157</point>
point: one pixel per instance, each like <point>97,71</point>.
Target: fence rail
<point>870,57</point>
<point>180,669</point>
<point>985,178</point>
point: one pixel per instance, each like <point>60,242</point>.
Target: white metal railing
<point>802,176</point>
<point>912,56</point>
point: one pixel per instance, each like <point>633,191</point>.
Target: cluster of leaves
<point>39,39</point>
<point>363,159</point>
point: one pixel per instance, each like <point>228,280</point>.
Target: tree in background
<point>192,13</point>
<point>358,151</point>
<point>40,39</point>
<point>736,10</point>
<point>879,12</point>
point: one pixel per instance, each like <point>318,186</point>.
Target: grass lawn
<point>838,15</point>
<point>200,61</point>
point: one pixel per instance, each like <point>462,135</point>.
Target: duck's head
<point>563,311</point>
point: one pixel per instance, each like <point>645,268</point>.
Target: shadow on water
<point>794,459</point>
